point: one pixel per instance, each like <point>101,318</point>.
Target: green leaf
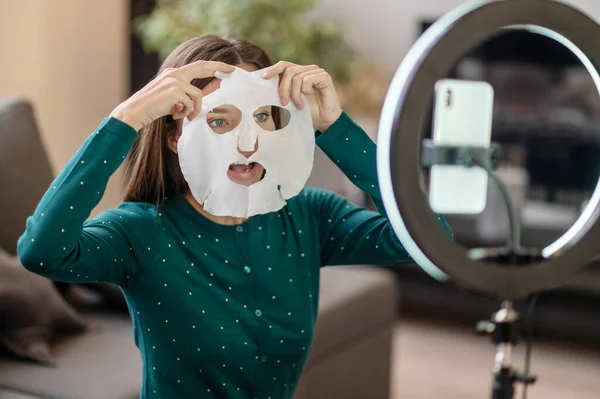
<point>283,28</point>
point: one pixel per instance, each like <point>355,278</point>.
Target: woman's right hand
<point>170,93</point>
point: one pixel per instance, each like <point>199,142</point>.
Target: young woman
<point>222,307</point>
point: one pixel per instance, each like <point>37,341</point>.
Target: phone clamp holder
<point>432,154</point>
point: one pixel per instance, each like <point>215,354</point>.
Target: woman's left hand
<point>315,83</point>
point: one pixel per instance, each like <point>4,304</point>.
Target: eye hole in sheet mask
<point>272,117</point>
<point>224,118</point>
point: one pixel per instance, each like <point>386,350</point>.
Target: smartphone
<point>463,113</point>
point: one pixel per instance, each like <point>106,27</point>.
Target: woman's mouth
<point>245,174</point>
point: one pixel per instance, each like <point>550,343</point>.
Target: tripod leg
<point>503,387</point>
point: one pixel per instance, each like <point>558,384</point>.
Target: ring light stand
<point>507,273</point>
<point>503,327</point>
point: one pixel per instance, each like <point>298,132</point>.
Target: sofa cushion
<point>32,312</point>
<point>25,171</point>
<point>16,395</point>
<point>354,302</point>
<point>102,363</point>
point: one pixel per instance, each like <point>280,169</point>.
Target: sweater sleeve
<point>59,243</point>
<point>350,234</point>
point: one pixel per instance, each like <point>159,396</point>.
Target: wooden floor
<point>435,360</point>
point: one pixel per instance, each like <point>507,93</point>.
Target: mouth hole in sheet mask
<point>246,174</point>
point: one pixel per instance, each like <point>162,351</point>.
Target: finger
<point>201,69</point>
<point>317,81</point>
<point>176,108</point>
<point>179,115</point>
<point>188,104</point>
<point>196,95</point>
<point>286,80</point>
<point>277,69</point>
<point>298,84</point>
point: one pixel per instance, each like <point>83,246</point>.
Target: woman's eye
<point>217,123</point>
<point>262,117</point>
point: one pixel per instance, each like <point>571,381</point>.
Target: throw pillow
<point>32,312</point>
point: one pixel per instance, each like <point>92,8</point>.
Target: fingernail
<point>283,101</point>
<point>265,75</point>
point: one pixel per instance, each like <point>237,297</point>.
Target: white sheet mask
<point>286,154</point>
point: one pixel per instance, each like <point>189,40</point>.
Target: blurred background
<point>67,63</point>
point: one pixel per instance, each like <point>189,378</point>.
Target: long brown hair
<point>153,172</point>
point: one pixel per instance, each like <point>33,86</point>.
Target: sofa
<point>350,357</point>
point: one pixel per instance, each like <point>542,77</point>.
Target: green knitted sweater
<point>219,311</point>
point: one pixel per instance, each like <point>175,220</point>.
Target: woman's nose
<point>248,154</point>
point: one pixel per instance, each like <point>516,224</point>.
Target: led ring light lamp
<point>401,155</point>
<point>400,142</point>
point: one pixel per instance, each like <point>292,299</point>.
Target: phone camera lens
<point>448,97</point>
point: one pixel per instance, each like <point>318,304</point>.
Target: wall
<point>386,29</point>
<point>69,57</point>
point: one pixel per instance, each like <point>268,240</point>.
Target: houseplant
<point>286,29</point>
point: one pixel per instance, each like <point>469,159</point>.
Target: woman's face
<point>225,118</point>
